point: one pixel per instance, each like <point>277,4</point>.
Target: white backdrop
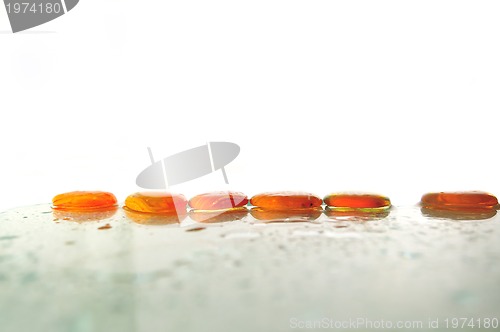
<point>397,97</point>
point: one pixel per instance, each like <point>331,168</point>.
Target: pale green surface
<point>241,276</point>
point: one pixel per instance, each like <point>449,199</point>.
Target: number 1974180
<point>33,8</point>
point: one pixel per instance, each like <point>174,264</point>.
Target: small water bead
<point>467,200</point>
<point>286,200</point>
<point>156,202</point>
<point>84,201</point>
<point>218,200</point>
<point>351,201</point>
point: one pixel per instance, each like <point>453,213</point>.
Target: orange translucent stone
<point>84,201</point>
<point>286,200</point>
<point>156,202</point>
<point>460,200</point>
<point>218,201</point>
<point>357,201</point>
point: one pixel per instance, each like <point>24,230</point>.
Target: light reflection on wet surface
<point>148,271</point>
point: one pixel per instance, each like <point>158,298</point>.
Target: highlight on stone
<point>156,202</point>
<point>357,201</point>
<point>221,200</point>
<point>286,200</point>
<point>466,200</point>
<point>84,201</point>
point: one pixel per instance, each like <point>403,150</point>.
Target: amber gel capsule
<point>218,201</point>
<point>351,201</point>
<point>156,202</point>
<point>286,200</point>
<point>467,200</point>
<point>84,201</point>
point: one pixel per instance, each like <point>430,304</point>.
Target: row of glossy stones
<point>164,203</point>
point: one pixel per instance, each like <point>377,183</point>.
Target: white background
<point>397,97</point>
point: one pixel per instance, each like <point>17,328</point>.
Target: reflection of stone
<point>467,214</point>
<point>154,218</point>
<point>357,215</point>
<point>218,216</point>
<point>83,216</point>
<point>286,215</point>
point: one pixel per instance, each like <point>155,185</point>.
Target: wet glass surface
<point>74,274</point>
